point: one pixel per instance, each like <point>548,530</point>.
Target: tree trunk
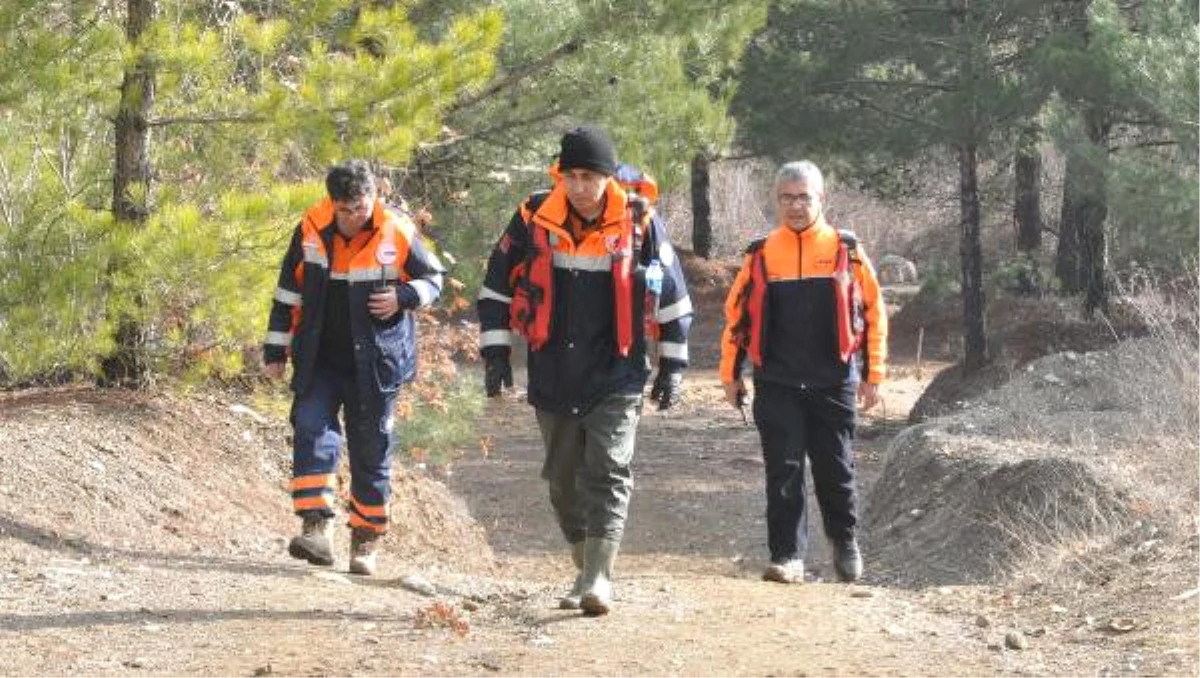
<point>1066,258</point>
<point>131,173</point>
<point>701,207</point>
<point>131,184</point>
<point>1027,203</point>
<point>1083,242</point>
<point>1093,239</point>
<point>971,253</point>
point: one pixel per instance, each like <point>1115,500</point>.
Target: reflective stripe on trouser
<point>818,423</point>
<point>587,466</point>
<point>317,443</point>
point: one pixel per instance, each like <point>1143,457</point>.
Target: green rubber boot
<point>571,600</point>
<point>598,559</point>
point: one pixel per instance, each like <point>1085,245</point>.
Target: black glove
<point>407,297</point>
<point>497,372</point>
<point>668,387</point>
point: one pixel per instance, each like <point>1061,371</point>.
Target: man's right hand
<point>497,372</point>
<point>735,393</point>
<point>275,370</point>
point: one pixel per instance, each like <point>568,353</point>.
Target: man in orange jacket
<point>807,312</point>
<point>352,275</point>
<point>586,274</point>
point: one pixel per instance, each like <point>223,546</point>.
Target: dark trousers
<point>587,467</point>
<point>794,423</point>
<point>317,443</point>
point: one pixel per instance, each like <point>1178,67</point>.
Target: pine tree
<point>221,137</point>
<point>657,75</point>
<point>882,82</point>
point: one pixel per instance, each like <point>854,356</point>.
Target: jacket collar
<point>552,214</point>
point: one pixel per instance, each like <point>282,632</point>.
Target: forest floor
<point>144,533</point>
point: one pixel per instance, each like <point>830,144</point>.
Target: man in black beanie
<point>589,278</point>
<point>588,148</point>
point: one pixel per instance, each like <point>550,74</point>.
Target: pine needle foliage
<point>252,103</point>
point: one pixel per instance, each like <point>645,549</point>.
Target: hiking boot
<point>847,560</point>
<point>364,545</point>
<point>571,600</point>
<point>313,544</point>
<point>598,558</point>
<point>789,572</point>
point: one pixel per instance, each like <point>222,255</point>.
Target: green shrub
<point>437,426</point>
<point>939,279</point>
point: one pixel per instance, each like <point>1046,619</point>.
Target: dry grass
<point>1170,377</point>
<point>1076,462</point>
<point>743,209</point>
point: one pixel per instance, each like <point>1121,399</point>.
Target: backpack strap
<point>756,245</point>
<point>850,240</point>
<point>535,200</point>
<point>643,229</point>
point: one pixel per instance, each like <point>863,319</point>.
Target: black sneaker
<point>847,560</point>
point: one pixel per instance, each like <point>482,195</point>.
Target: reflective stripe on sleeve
<point>496,338</point>
<point>674,311</point>
<point>666,254</point>
<point>672,349</point>
<point>287,297</point>
<point>427,290</point>
<point>488,293</point>
<point>279,339</point>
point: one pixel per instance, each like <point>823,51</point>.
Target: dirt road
<point>145,536</point>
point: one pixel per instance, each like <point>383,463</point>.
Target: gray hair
<point>801,170</point>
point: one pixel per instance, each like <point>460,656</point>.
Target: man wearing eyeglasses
<point>806,311</point>
<point>353,273</point>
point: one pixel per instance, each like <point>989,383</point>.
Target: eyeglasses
<point>793,198</point>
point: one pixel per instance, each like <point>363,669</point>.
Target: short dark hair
<point>349,181</point>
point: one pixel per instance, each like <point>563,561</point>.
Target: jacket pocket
<point>395,363</point>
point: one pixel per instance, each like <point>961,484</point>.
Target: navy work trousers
<point>317,444</point>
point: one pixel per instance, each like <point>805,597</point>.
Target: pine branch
<point>734,158</point>
<point>512,78</point>
<point>867,103</point>
<point>1142,144</point>
<point>488,131</point>
<point>890,83</point>
<point>206,120</point>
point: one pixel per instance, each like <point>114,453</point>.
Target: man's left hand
<point>383,303</point>
<point>386,302</point>
<point>868,395</point>
<point>668,388</point>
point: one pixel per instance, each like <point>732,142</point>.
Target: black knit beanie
<point>588,148</point>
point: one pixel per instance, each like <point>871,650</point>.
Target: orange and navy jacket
<point>385,351</point>
<point>783,308</point>
<point>581,360</point>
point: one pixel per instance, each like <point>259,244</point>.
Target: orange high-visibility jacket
<point>581,306</point>
<point>799,309</point>
<point>394,255</point>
